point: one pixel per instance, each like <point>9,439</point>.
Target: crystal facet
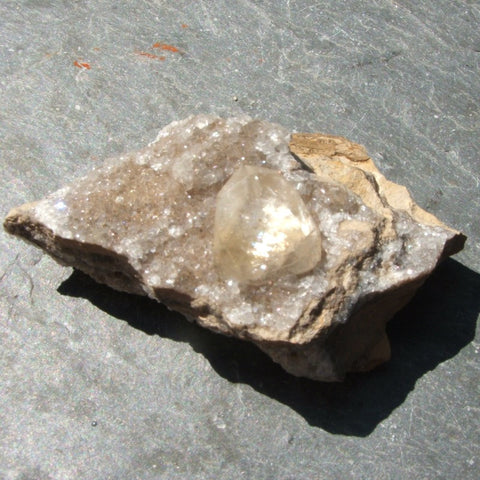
<point>263,228</point>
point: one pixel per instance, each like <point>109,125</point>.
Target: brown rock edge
<point>362,344</point>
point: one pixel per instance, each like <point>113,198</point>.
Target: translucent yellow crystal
<point>263,229</point>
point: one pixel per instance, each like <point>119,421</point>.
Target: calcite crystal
<point>263,229</point>
<point>295,242</point>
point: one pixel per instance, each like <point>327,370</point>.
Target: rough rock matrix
<point>294,242</point>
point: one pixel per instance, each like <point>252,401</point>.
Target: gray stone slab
<point>97,384</point>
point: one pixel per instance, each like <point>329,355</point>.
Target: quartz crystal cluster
<point>295,242</point>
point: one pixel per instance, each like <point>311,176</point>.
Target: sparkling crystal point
<point>263,228</point>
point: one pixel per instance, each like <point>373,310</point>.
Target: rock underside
<point>295,242</point>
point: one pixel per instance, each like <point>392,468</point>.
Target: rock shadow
<point>434,327</point>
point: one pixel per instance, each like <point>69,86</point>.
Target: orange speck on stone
<point>150,55</point>
<point>82,65</point>
<point>184,25</point>
<point>164,46</point>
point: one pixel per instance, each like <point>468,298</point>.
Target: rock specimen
<point>294,242</point>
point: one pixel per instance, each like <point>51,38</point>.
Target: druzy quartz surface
<point>156,207</point>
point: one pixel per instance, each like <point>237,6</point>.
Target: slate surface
<point>97,384</point>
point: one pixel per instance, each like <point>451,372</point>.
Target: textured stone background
<point>96,384</point>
